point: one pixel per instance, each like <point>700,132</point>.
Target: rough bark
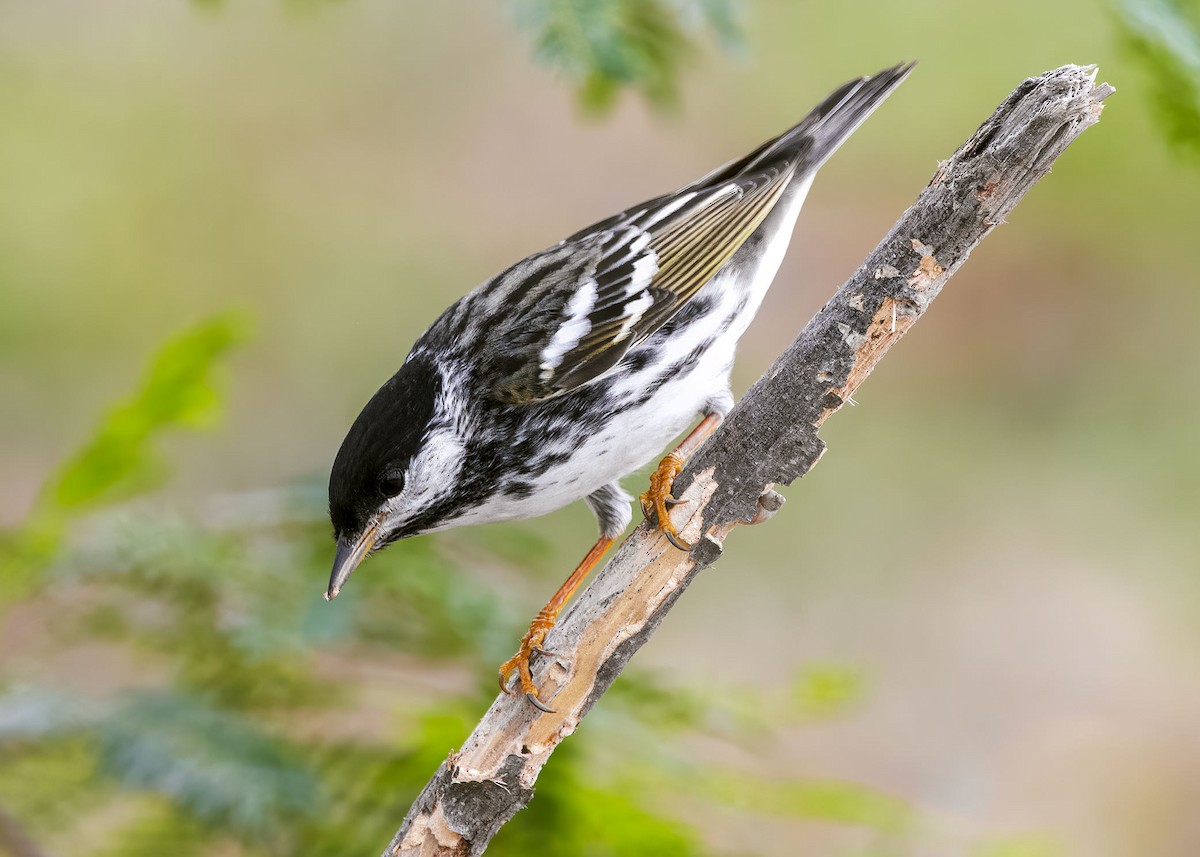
<point>770,437</point>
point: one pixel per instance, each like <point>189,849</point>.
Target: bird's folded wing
<point>577,308</point>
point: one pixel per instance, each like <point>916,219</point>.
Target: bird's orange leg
<point>658,498</point>
<point>543,622</point>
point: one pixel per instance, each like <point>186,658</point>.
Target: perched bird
<point>576,366</point>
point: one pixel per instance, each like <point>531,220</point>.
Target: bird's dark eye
<point>391,483</point>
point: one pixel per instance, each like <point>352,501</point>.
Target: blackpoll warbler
<point>576,366</point>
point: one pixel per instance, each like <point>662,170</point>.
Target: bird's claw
<point>537,703</point>
<point>657,500</point>
<point>530,643</point>
<point>674,539</point>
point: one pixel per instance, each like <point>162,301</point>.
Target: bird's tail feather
<point>817,136</point>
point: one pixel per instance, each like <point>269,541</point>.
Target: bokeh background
<point>973,630</point>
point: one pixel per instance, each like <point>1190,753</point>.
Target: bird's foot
<point>657,500</point>
<point>530,643</point>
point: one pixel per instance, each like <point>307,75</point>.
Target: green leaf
<point>720,16</point>
<point>603,46</point>
<point>1163,36</point>
<point>214,765</point>
<point>414,598</point>
<point>574,814</point>
<point>118,461</point>
<point>32,714</point>
<point>179,391</point>
<point>47,785</point>
<point>826,690</point>
<point>160,828</point>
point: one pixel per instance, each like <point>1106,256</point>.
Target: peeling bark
<point>769,438</point>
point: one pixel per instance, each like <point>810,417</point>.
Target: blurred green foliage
<point>1164,37</point>
<point>179,391</point>
<point>227,734</point>
<point>604,46</point>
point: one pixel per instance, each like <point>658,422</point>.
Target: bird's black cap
<point>380,445</point>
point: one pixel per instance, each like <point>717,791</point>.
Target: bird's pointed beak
<point>348,557</point>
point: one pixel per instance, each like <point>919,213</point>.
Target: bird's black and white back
<point>576,366</point>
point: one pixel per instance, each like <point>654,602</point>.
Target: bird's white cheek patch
<point>429,477</point>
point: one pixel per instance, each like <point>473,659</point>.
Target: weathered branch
<point>770,437</point>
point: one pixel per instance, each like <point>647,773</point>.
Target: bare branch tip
<point>1099,91</point>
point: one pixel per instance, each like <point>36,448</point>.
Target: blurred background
<point>222,224</point>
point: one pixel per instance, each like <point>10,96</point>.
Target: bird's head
<point>395,468</point>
